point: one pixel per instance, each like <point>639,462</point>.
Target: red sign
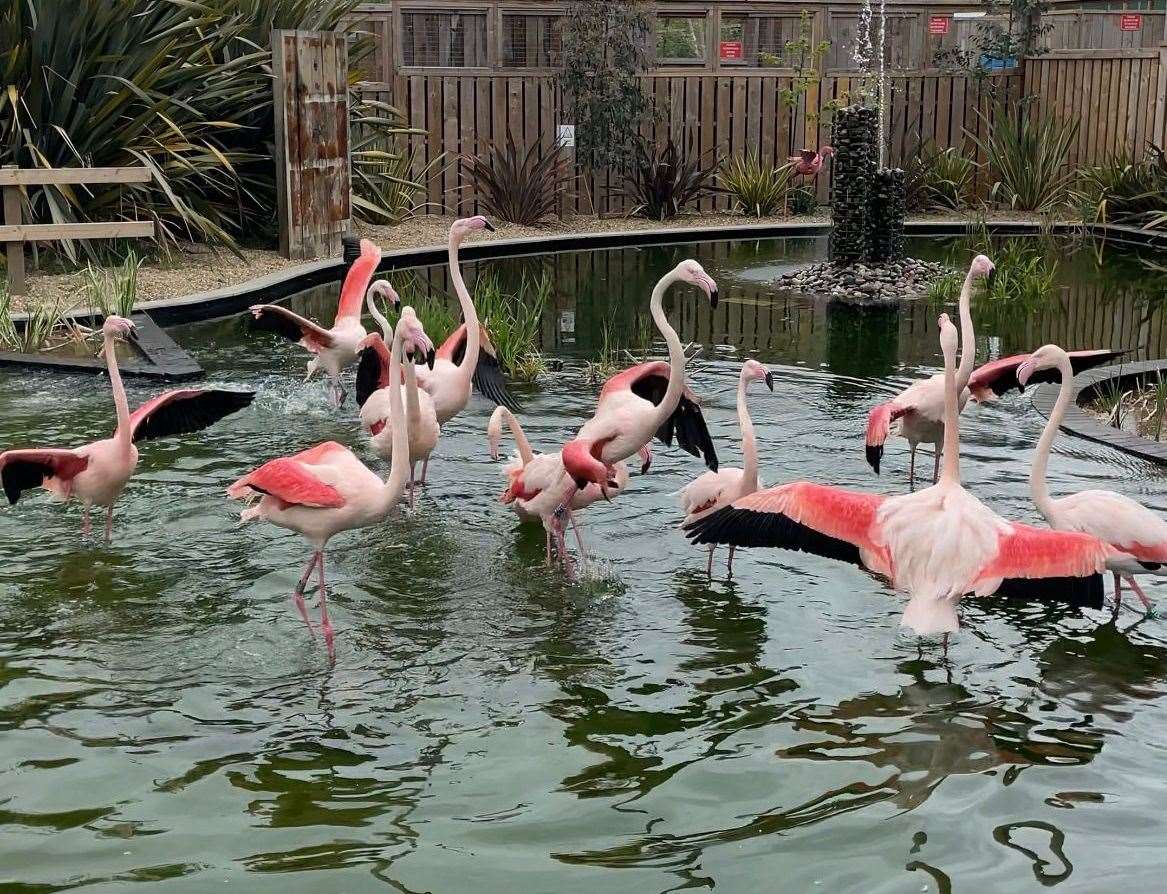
<point>731,49</point>
<point>1130,22</point>
<point>938,24</point>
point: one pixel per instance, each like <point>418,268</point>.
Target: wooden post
<point>17,280</point>
<point>1161,98</point>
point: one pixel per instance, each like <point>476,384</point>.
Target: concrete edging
<point>1079,422</point>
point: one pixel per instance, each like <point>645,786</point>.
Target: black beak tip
<point>770,380</point>
<point>488,226</point>
<point>991,278</point>
<point>874,454</point>
<point>580,483</point>
<point>645,466</point>
<point>430,357</point>
<point>713,299</point>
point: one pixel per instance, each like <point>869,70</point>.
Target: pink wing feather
<point>22,470</point>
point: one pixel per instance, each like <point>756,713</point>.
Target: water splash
<point>881,85</point>
<point>862,51</point>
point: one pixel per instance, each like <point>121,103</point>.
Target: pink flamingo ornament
<point>712,490</point>
<point>325,490</point>
<point>808,163</point>
<point>335,349</point>
<point>97,473</point>
<point>1126,525</point>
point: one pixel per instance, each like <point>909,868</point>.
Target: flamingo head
<point>691,272</point>
<point>949,339</point>
<point>753,371</point>
<point>827,151</point>
<point>382,288</point>
<point>117,327</point>
<point>1045,357</point>
<point>414,342</point>
<point>463,226</point>
<point>982,266</point>
<point>584,467</point>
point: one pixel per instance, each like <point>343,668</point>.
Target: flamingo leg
<point>412,466</point>
<point>325,622</point>
<point>425,466</point>
<point>298,594</point>
<point>912,469</point>
<point>86,529</point>
<point>729,564</point>
<point>108,523</point>
<point>564,555</point>
<point>583,553</point>
<point>936,465</point>
<point>547,543</point>
<point>1139,592</point>
<point>709,563</point>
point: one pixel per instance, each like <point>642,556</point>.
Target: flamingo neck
<point>412,401</point>
<point>375,313</point>
<point>749,441</point>
<point>1038,486</point>
<point>399,458</point>
<point>950,471</point>
<point>120,402</point>
<point>676,350</point>
<point>521,442</point>
<point>469,314</point>
<point>968,342</point>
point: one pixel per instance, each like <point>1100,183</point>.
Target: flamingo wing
<point>801,516</point>
<point>1047,566</point>
<point>650,381</point>
<point>185,410</point>
<point>991,380</point>
<point>291,481</point>
<point>292,326</point>
<point>488,379</point>
<point>372,367</point>
<point>22,470</point>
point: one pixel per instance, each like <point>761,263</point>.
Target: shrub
<point>513,318</point>
<point>388,178</point>
<point>802,200</point>
<point>1026,152</point>
<point>1126,191</point>
<point>664,181</point>
<point>939,179</point>
<point>113,291</point>
<point>758,189</point>
<point>518,187</point>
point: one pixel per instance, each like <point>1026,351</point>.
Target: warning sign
<point>938,24</point>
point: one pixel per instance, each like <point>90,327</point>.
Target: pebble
<point>867,285</point>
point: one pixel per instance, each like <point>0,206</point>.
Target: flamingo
<point>325,490</point>
<point>535,482</point>
<point>937,544</point>
<point>97,473</point>
<point>376,414</point>
<point>712,490</point>
<point>333,349</point>
<point>645,400</point>
<point>809,163</point>
<point>1126,525</point>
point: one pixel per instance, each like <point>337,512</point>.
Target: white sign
<point>565,136</point>
<point>567,321</point>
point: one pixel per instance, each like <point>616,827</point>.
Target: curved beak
<point>1024,371</point>
<point>430,357</point>
<point>644,466</point>
<point>770,380</point>
<point>488,226</point>
<point>991,279</point>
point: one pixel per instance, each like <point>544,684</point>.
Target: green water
<point>165,723</point>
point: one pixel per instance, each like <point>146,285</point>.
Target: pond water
<point>166,723</point>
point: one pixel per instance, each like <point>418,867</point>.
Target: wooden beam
<point>17,281</point>
<point>42,176</point>
<point>1160,134</point>
<point>122,229</point>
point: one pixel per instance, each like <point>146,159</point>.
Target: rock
<point>865,285</point>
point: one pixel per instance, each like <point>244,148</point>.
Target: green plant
<point>513,318</point>
<point>1011,29</point>
<point>1127,191</point>
<point>939,179</point>
<point>113,291</point>
<point>945,288</point>
<point>759,189</point>
<point>801,200</point>
<point>519,187</point>
<point>1111,402</point>
<point>606,51</point>
<point>1026,151</point>
<point>664,181</point>
<point>806,58</point>
<point>436,310</point>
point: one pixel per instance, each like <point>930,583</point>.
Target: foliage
<point>939,179</point>
<point>387,174</point>
<point>182,87</point>
<point>513,318</point>
<point>664,181</point>
<point>606,50</point>
<point>613,355</point>
<point>519,187</point>
<point>806,58</point>
<point>945,288</point>
<point>801,200</point>
<point>436,310</point>
<point>1010,29</point>
<point>48,326</point>
<point>1111,401</point>
<point>759,189</point>
<point>1127,191</point>
<point>1026,151</point>
<point>113,291</point>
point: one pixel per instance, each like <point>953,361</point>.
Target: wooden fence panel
<point>312,141</point>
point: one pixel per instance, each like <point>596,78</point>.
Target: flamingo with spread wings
<point>97,473</point>
<point>937,544</point>
<point>333,349</point>
<point>1125,524</point>
<point>809,163</point>
<point>325,490</point>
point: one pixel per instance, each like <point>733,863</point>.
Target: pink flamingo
<point>325,490</point>
<point>1126,525</point>
<point>376,414</point>
<point>97,473</point>
<point>646,400</point>
<point>535,484</point>
<point>333,349</point>
<point>937,544</point>
<point>809,163</point>
<point>712,490</point>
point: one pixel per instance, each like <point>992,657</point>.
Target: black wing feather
<point>368,374</point>
<point>686,424</point>
<point>192,414</point>
<point>1077,592</point>
<point>21,475</point>
<point>491,382</point>
<point>277,323</point>
<point>745,527</point>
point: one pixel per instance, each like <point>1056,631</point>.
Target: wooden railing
<point>14,232</point>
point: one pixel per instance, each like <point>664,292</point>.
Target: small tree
<point>606,50</point>
<point>1014,31</point>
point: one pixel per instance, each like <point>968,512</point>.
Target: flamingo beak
<point>429,358</point>
<point>991,279</point>
<point>1024,371</point>
<point>769,380</point>
<point>645,465</point>
<point>488,226</point>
